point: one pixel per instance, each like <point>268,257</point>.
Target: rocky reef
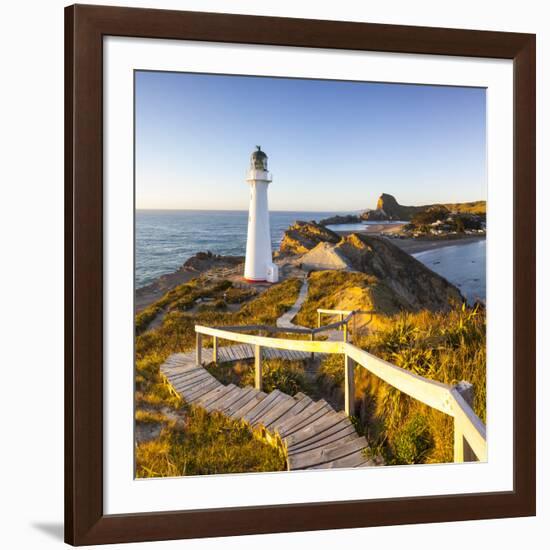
<point>410,283</point>
<point>338,220</point>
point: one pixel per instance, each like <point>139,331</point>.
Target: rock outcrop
<point>337,220</point>
<point>414,284</point>
<point>303,236</point>
<point>387,209</point>
<point>407,281</point>
<point>325,256</point>
<point>202,261</point>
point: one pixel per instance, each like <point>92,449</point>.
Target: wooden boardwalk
<point>239,352</point>
<point>312,432</point>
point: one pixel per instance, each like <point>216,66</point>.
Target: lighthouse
<point>259,264</point>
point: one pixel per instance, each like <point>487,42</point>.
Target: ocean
<point>165,239</point>
<point>464,265</point>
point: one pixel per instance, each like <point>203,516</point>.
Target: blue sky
<point>332,145</point>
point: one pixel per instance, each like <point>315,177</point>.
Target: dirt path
<point>285,320</point>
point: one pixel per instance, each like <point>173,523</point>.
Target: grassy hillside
<point>444,346</point>
<point>190,441</point>
<point>476,207</point>
<point>448,347</point>
<point>344,290</point>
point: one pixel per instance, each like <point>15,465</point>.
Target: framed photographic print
<point>300,274</point>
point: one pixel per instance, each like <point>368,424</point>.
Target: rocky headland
<point>308,246</point>
<point>404,280</point>
<point>198,264</point>
<point>387,209</point>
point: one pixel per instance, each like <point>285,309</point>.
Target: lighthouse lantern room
<point>259,264</point>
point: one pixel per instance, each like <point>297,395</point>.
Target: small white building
<point>259,264</point>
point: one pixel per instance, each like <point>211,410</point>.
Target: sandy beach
<point>413,246</point>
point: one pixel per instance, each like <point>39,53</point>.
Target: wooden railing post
<point>215,349</point>
<point>258,367</point>
<point>312,338</point>
<point>318,319</point>
<point>345,335</point>
<point>198,346</point>
<point>349,383</point>
<point>462,451</point>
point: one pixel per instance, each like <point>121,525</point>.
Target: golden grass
<point>346,291</point>
<point>448,347</point>
<point>225,446</point>
<point>206,444</point>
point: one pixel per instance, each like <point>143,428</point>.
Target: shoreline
<point>151,292</point>
<point>413,245</point>
<point>416,246</point>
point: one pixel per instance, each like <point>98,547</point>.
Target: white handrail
<point>437,395</point>
<point>432,393</point>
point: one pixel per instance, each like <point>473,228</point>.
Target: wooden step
<point>318,429</point>
<point>343,436</point>
<point>354,460</point>
<point>280,408</point>
<point>327,454</point>
<point>208,396</point>
<point>248,406</point>
<point>246,395</point>
<point>217,395</point>
<point>309,415</point>
<point>213,405</point>
<point>263,406</point>
<point>315,436</point>
<point>201,390</point>
<point>298,407</point>
<point>228,400</point>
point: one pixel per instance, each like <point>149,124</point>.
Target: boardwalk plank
<point>270,407</point>
<point>355,460</point>
<point>297,440</point>
<point>217,395</point>
<point>211,394</point>
<point>326,454</point>
<point>239,413</point>
<point>306,412</point>
<point>246,395</point>
<point>260,407</point>
<point>314,434</point>
<point>315,428</point>
<point>343,436</point>
<point>187,375</point>
<point>229,399</point>
<point>299,406</point>
<point>276,412</point>
<point>213,406</point>
<point>182,385</point>
<point>203,389</point>
<point>314,411</point>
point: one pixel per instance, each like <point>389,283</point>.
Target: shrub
<point>280,374</point>
<point>412,441</point>
<point>448,347</point>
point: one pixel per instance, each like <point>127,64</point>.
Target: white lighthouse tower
<point>259,264</point>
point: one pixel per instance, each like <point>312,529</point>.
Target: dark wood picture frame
<point>85,27</point>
